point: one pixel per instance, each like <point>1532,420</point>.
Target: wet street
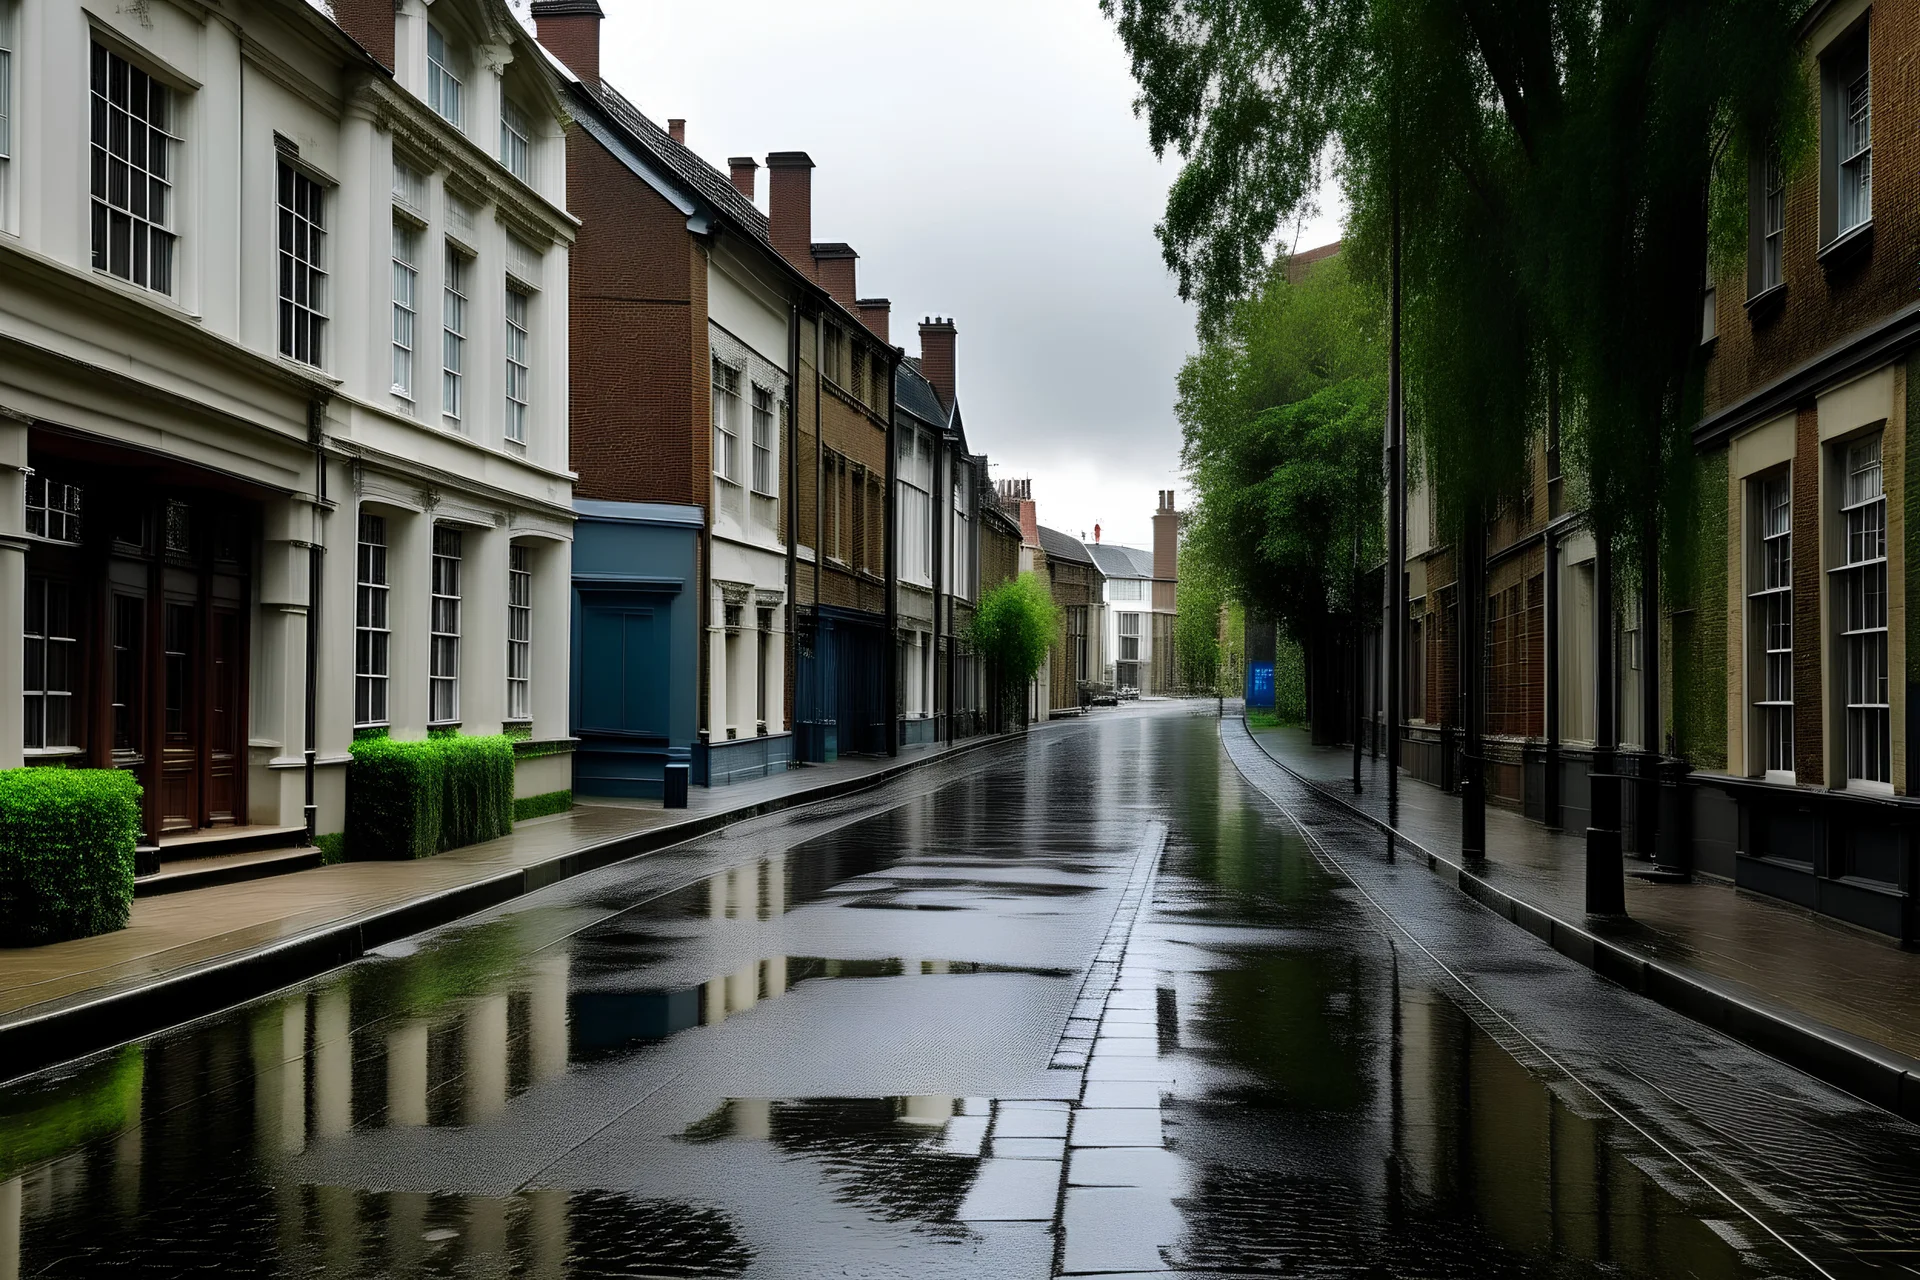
<point>1118,999</point>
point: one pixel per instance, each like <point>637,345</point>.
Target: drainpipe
<point>891,654</point>
<point>790,693</point>
<point>316,553</point>
<point>939,576</point>
<point>819,458</point>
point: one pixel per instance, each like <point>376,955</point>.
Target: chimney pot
<point>570,29</point>
<point>744,170</point>
<point>677,130</point>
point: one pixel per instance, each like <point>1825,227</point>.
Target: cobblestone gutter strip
<point>32,1040</point>
<point>1867,1070</point>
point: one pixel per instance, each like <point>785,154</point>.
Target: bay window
<point>52,645</point>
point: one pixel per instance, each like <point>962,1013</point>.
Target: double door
<point>177,687</point>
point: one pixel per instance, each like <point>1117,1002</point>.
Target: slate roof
<point>715,187</point>
<point>912,392</point>
<point>1063,546</point>
<point>1122,562</point>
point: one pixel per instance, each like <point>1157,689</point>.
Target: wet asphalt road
<point>1091,1004</point>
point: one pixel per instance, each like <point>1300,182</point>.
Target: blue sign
<point>1260,684</point>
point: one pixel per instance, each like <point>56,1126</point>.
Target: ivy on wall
<point>1696,556</point>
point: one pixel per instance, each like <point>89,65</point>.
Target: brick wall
<point>1822,308</point>
<point>639,385</point>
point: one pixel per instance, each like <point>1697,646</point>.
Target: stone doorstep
<point>1869,1071</point>
<point>30,1041</point>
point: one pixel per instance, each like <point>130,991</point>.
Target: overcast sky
<point>984,160</point>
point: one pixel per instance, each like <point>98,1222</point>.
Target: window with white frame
<point>726,421</point>
<point>519,633</point>
<point>1863,582</point>
<point>763,450</point>
<point>914,472</point>
<point>519,365</point>
<point>371,635</point>
<point>1846,136</point>
<point>453,333</point>
<point>961,547</point>
<point>1125,589</point>
<point>406,303</point>
<point>1129,630</point>
<point>1771,612</point>
<point>303,266</point>
<point>516,140</point>
<point>445,88</point>
<point>52,649</point>
<point>132,173</point>
<point>53,508</point>
<point>443,675</point>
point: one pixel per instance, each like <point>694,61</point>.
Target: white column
<point>716,719</point>
<point>279,661</point>
<point>362,251</point>
<point>13,589</point>
<point>410,618</point>
<point>552,638</point>
<point>483,629</point>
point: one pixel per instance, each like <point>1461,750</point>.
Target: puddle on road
<point>1327,1118</point>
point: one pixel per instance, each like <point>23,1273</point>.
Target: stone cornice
<point>469,168</point>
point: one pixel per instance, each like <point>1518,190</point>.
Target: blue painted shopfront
<point>635,636</point>
<point>841,696</point>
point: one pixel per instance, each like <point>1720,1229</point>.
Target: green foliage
<point>43,1122</point>
<point>332,846</point>
<point>1289,681</point>
<point>541,805</point>
<point>1551,166</point>
<point>416,799</point>
<point>1199,601</point>
<point>1696,577</point>
<point>67,840</point>
<point>1013,627</point>
<point>1281,413</point>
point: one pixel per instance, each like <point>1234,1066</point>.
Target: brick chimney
<point>570,29</point>
<point>936,356</point>
<point>1166,540</point>
<point>370,23</point>
<point>1029,522</point>
<point>677,129</point>
<point>877,313</point>
<point>833,267</point>
<point>790,207</point>
<point>744,169</point>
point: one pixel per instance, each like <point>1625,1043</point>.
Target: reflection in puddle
<point>902,1159</point>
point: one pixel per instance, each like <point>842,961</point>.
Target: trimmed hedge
<point>67,838</point>
<point>416,799</point>
<point>541,805</point>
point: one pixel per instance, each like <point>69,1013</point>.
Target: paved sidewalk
<point>1770,953</point>
<point>182,953</point>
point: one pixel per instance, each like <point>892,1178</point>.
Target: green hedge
<point>66,853</point>
<point>416,799</point>
<point>541,805</point>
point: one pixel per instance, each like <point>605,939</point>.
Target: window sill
<point>1848,250</point>
<point>1763,306</point>
<point>53,753</point>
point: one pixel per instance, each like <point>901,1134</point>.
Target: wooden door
<point>226,715</point>
<point>181,675</point>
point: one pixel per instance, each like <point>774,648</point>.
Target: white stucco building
<point>283,391</point>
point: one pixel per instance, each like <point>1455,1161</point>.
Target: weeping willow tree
<point>1554,166</point>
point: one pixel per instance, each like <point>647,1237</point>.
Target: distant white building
<point>1128,620</point>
